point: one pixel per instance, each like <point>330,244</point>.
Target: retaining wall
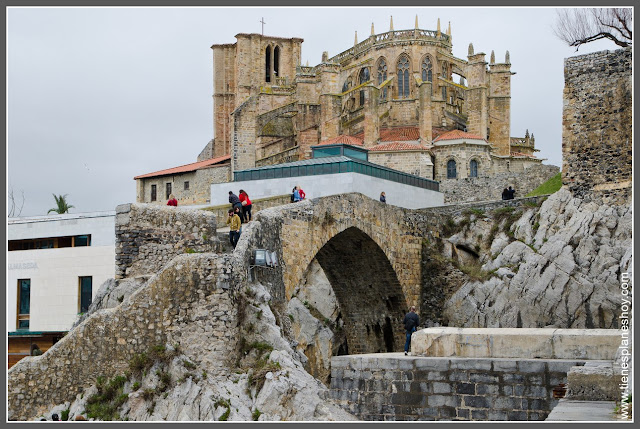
<point>385,388</point>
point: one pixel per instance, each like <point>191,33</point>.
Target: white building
<point>55,265</point>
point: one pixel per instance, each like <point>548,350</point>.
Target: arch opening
<point>367,290</point>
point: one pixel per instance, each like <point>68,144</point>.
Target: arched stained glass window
<point>347,85</point>
<point>364,75</point>
<point>382,76</point>
<point>473,168</point>
<point>427,70</point>
<point>451,169</point>
<point>403,77</point>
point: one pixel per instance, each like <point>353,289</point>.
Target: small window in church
<point>451,169</point>
<point>427,70</point>
<point>382,76</point>
<point>276,61</point>
<point>267,64</point>
<point>403,77</point>
<point>153,192</point>
<point>364,75</point>
<point>473,168</point>
<point>186,185</point>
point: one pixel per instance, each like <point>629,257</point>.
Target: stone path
<point>583,411</point>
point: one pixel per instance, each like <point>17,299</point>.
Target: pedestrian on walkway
<point>236,203</point>
<point>383,197</point>
<point>411,322</point>
<point>246,205</point>
<point>234,227</point>
<point>172,201</point>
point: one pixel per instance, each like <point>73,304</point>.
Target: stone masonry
<point>434,388</point>
<point>149,236</point>
<point>189,298</point>
<point>597,125</point>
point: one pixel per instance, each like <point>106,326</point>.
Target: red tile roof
<point>186,168</point>
<point>397,146</point>
<point>342,139</point>
<point>399,134</point>
<point>457,134</point>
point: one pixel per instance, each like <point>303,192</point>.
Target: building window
<point>50,243</point>
<point>267,64</point>
<point>403,77</point>
<point>347,85</point>
<point>451,169</point>
<point>24,303</point>
<point>186,185</point>
<point>427,70</point>
<point>168,190</point>
<point>81,240</point>
<point>382,76</point>
<point>84,293</point>
<point>153,192</point>
<point>444,93</point>
<point>362,78</point>
<point>276,61</point>
<point>473,168</point>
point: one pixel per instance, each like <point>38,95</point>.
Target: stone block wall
<point>147,236</point>
<point>418,163</point>
<point>597,125</point>
<point>188,303</point>
<point>490,188</point>
<point>199,185</point>
<point>432,388</point>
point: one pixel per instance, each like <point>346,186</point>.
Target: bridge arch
<point>367,290</point>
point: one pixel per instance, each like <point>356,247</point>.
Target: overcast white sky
<point>97,96</point>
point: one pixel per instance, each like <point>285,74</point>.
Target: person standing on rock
<point>234,227</point>
<point>383,197</point>
<point>411,322</point>
<point>505,194</point>
<point>512,193</point>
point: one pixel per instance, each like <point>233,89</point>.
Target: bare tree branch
<point>14,211</point>
<point>577,27</point>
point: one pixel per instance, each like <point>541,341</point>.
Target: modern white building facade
<point>55,265</point>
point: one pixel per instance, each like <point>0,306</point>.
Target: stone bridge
<point>370,252</point>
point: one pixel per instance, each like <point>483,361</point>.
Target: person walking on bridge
<point>411,322</point>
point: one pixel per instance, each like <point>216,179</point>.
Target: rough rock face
<point>560,268</point>
<point>268,381</point>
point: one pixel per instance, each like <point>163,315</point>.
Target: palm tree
<point>61,201</point>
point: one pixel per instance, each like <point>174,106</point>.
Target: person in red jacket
<point>301,192</point>
<point>246,205</point>
<point>172,201</point>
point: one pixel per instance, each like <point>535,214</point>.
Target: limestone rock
<point>567,269</point>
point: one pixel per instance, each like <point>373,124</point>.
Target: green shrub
<point>64,415</point>
<point>255,415</point>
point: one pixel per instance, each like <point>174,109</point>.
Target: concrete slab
<point>533,343</point>
<point>583,411</point>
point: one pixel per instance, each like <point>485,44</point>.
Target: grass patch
<point>223,403</point>
<point>188,365</point>
<point>256,415</point>
<point>549,187</point>
<point>104,404</point>
<point>64,415</point>
<point>477,212</point>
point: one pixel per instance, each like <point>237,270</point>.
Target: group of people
<point>239,213</point>
<point>508,194</point>
<point>297,194</point>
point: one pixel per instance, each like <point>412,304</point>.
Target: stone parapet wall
<point>148,236</point>
<point>188,303</point>
<point>597,125</point>
<point>490,188</point>
<point>433,388</point>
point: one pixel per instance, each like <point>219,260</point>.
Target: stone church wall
<point>147,237</point>
<point>490,188</point>
<point>410,162</point>
<point>597,125</point>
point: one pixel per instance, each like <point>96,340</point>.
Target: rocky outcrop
<point>563,259</point>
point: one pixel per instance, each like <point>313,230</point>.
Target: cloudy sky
<point>97,96</point>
